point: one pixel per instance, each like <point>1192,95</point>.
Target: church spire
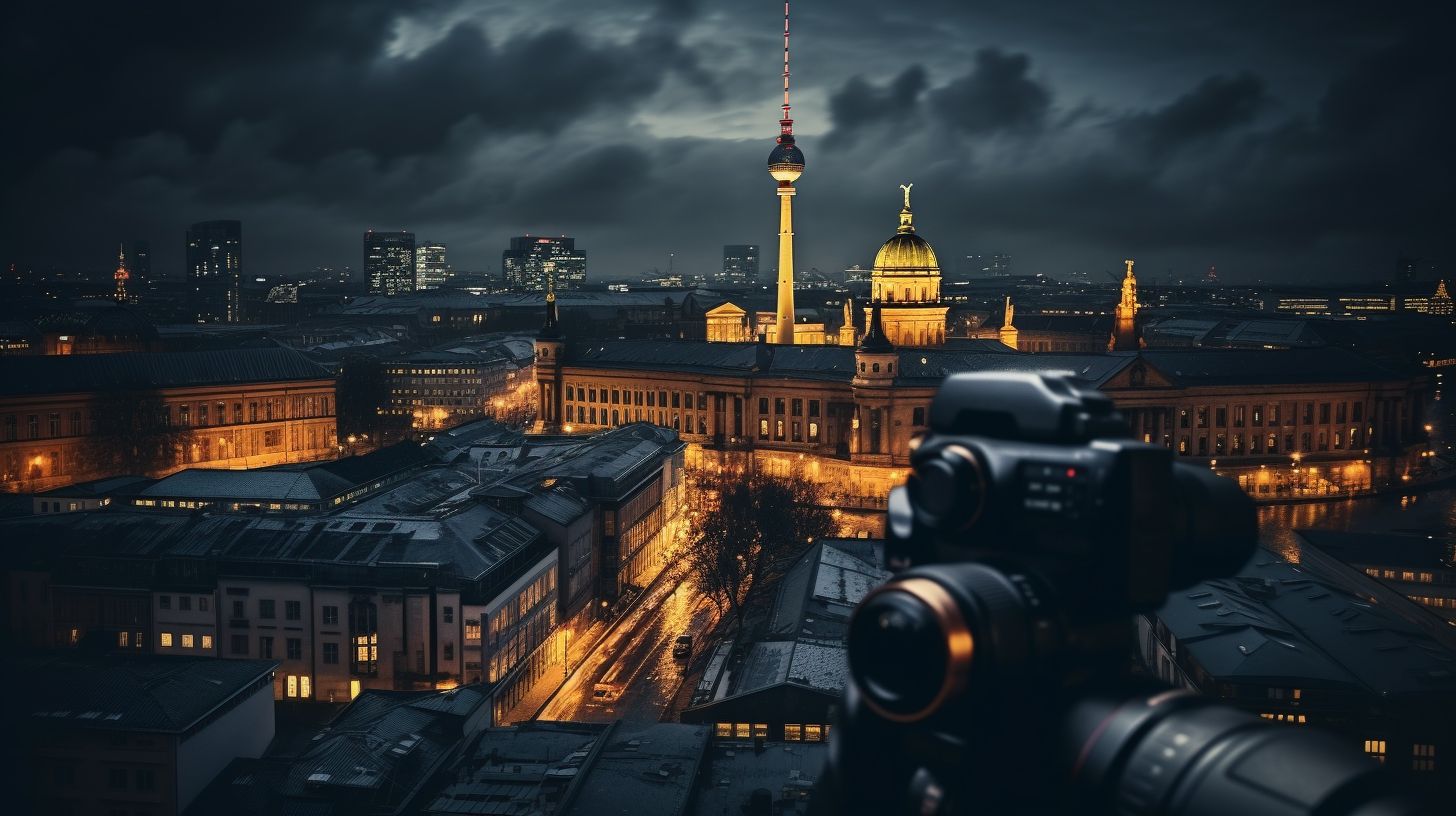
<point>875,340</point>
<point>1124,331</point>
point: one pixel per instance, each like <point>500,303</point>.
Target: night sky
<point>1296,141</point>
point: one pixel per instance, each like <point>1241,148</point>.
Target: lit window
<point>166,640</point>
<point>292,685</point>
<point>760,730</point>
<point>1423,757</point>
<point>723,729</point>
<point>207,641</point>
<point>793,732</point>
<point>188,641</point>
<point>1376,748</point>
<point>741,730</point>
<point>813,733</point>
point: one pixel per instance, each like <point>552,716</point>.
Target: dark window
<point>295,649</point>
<point>919,417</point>
<point>1309,413</point>
<point>184,603</point>
<point>448,614</point>
<point>1202,417</point>
<point>1340,412</point>
<point>1357,412</point>
<point>266,609</point>
<point>797,407</point>
<point>813,408</point>
<point>164,601</point>
<point>239,645</point>
<point>265,647</point>
<point>1324,413</point>
<point>779,405</point>
<point>292,610</point>
<point>203,603</point>
<point>449,651</point>
<point>331,653</point>
<point>763,405</point>
<point>1220,417</point>
<point>116,778</point>
<point>331,616</point>
<point>146,779</point>
<point>239,611</point>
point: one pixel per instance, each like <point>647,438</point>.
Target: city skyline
<point>1067,144</point>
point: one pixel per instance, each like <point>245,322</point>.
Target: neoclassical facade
<point>1287,423</point>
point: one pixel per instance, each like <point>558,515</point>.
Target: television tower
<point>786,164</point>
<point>121,276</point>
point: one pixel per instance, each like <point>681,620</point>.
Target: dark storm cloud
<point>859,103</point>
<point>998,94</point>
<point>1217,105</point>
<point>1311,137</point>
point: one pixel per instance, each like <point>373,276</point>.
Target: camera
<point>994,674</point>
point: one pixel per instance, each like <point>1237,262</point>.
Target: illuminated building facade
<point>531,260</point>
<point>412,567</point>
<point>215,271</point>
<point>905,284</point>
<point>431,270</point>
<point>389,262</point>
<point>1301,422</point>
<point>121,276</point>
<point>740,264</point>
<point>138,257</point>
<point>440,389</point>
<point>78,417</point>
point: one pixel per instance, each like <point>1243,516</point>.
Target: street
<point>637,655</point>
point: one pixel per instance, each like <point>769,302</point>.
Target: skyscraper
<point>740,264</point>
<point>526,264</point>
<point>389,262</point>
<point>785,164</point>
<point>215,271</point>
<point>431,270</point>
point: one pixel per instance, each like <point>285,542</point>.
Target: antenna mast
<point>786,125</point>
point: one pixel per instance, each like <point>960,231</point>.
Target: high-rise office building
<point>526,265</point>
<point>137,255</point>
<point>215,271</point>
<point>740,264</point>
<point>431,270</point>
<point>389,262</point>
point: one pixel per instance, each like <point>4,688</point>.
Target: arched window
<point>876,368</point>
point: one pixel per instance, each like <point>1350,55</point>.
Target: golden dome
<point>906,251</point>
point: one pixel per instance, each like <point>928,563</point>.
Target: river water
<point>1432,512</point>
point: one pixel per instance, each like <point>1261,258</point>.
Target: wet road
<point>637,655</point>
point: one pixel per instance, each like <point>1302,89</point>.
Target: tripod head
<point>991,674</point>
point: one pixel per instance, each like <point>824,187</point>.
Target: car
<point>683,646</point>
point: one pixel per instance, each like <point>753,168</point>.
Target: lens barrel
<point>1174,753</point>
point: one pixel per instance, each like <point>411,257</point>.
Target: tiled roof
<point>65,374</point>
<point>1274,620</point>
<point>131,693</point>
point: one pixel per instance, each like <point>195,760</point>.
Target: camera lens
<point>909,649</point>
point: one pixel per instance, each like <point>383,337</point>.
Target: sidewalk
<point>549,683</point>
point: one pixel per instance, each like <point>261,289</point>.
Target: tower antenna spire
<point>786,124</point>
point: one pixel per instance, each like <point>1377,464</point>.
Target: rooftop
<point>83,373</point>
<point>1276,623</point>
<point>132,692</point>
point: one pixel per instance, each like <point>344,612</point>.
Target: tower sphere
<point>786,162</point>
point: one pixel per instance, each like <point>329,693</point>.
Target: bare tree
<point>745,531</point>
<point>132,434</point>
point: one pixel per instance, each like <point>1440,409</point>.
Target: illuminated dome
<point>906,251</point>
<point>786,161</point>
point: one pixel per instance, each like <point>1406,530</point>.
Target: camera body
<point>993,673</point>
